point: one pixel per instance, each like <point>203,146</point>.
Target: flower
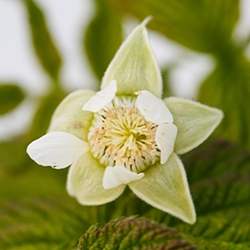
<point>125,134</point>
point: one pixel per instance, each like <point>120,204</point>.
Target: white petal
<point>118,175</point>
<point>153,108</point>
<point>165,139</point>
<point>56,149</point>
<point>101,98</point>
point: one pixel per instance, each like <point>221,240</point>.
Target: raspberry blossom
<point>125,134</point>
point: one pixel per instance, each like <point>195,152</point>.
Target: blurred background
<point>67,20</point>
<point>50,48</point>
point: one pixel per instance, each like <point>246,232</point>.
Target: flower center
<point>120,135</point>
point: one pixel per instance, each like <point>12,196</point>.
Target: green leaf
<point>45,109</point>
<point>102,37</point>
<point>43,43</point>
<point>36,213</point>
<point>166,88</point>
<point>17,146</point>
<point>12,154</point>
<point>204,25</point>
<point>228,88</point>
<point>11,95</point>
<point>134,234</point>
<point>219,175</point>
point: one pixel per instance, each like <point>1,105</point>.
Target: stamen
<point>120,135</point>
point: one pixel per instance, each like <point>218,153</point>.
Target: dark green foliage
<point>102,37</point>
<point>220,184</point>
<point>43,43</point>
<point>219,175</point>
<point>36,213</point>
<point>37,207</point>
<point>11,95</point>
<point>134,234</point>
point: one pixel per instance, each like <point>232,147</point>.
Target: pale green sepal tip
<point>69,116</point>
<point>195,122</point>
<point>165,187</point>
<point>85,182</point>
<point>146,21</point>
<point>134,66</point>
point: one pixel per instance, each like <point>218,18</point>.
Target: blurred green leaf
<point>45,108</point>
<point>43,43</point>
<point>166,83</point>
<point>204,25</point>
<point>13,155</point>
<point>17,146</point>
<point>11,95</point>
<point>228,88</point>
<point>102,37</point>
<point>134,234</point>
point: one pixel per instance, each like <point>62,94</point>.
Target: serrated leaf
<point>36,213</point>
<point>102,37</point>
<point>134,234</point>
<point>11,95</point>
<point>220,186</point>
<point>204,25</point>
<point>219,175</point>
<point>43,42</point>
